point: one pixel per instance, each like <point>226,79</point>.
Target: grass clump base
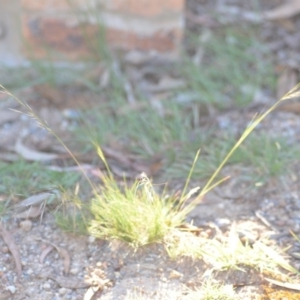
<point>135,214</point>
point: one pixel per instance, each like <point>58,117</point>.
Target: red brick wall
<point>70,28</point>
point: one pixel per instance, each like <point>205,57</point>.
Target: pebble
<point>26,225</point>
<point>117,275</point>
<point>174,274</point>
<point>24,263</point>
<point>47,286</point>
<point>222,222</point>
<point>63,291</point>
<point>11,288</point>
<point>30,271</point>
<point>71,114</point>
<point>74,271</point>
<point>91,239</point>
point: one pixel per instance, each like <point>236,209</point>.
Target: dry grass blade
<point>45,252</point>
<point>274,255</point>
<point>293,93</point>
<point>86,167</point>
<point>9,241</point>
<point>286,10</point>
<point>63,254</point>
<point>287,285</point>
<point>66,257</point>
<point>35,200</point>
<point>31,212</point>
<point>68,283</point>
<point>33,155</point>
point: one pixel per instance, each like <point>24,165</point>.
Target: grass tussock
<point>131,214</point>
<point>139,216</point>
<point>136,213</point>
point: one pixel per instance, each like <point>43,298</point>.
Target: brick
<point>53,26</point>
<point>145,8</point>
<point>44,35</point>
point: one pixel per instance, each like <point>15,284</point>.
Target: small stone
<point>26,225</point>
<point>174,274</point>
<point>91,239</point>
<point>63,291</point>
<point>30,271</point>
<point>222,222</point>
<point>47,286</point>
<point>99,264</point>
<point>11,289</point>
<point>74,271</point>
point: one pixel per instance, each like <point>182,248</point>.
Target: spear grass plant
<point>136,213</point>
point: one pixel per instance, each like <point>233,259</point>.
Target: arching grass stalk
<point>293,93</point>
<point>43,124</point>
